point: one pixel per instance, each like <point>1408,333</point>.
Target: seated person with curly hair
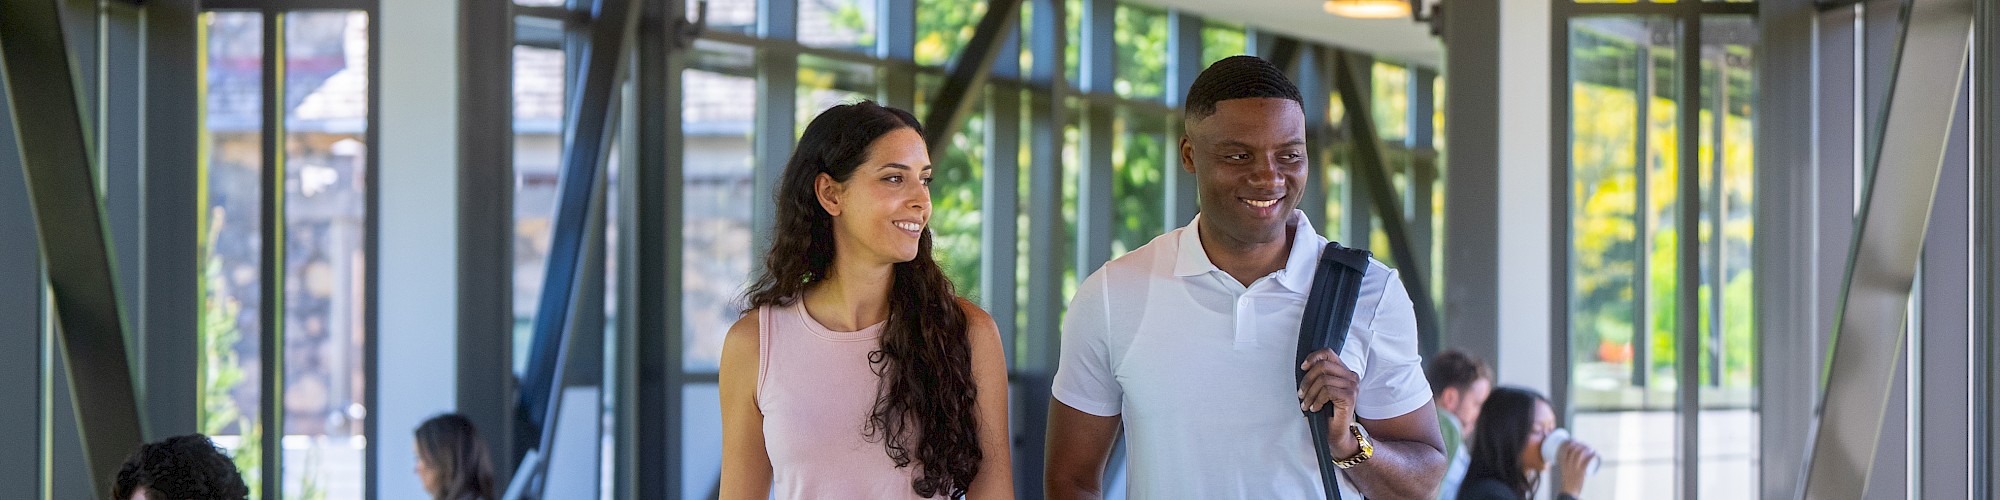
<point>186,467</point>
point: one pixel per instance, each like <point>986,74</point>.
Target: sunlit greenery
<point>1138,160</point>
<point>944,27</point>
<point>1141,40</point>
<point>1610,237</point>
<point>1219,41</point>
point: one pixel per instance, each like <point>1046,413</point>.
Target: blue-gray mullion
<point>1184,49</point>
<point>271,260</point>
<point>170,162</point>
<point>1471,218</point>
<point>57,161</point>
<point>20,312</point>
<point>999,233</point>
<point>1642,220</point>
<point>1094,218</point>
<point>1687,251</point>
<point>1046,237</point>
<point>1797,78</point>
<point>1986,216</point>
<point>649,399</point>
<point>1320,130</point>
<point>1888,240</point>
<point>485,206</point>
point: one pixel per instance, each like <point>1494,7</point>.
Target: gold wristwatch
<point>1367,450</point>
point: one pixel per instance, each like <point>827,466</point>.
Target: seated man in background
<point>1459,384</point>
<point>186,467</point>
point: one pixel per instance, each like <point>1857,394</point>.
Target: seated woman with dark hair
<point>1507,452</point>
<point>177,468</point>
<point>452,459</point>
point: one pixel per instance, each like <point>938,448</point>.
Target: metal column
<point>57,161</point>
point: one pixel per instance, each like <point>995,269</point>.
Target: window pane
<point>1729,420</point>
<point>538,113</point>
<point>718,117</point>
<point>944,27</point>
<point>539,3</point>
<point>1219,41</point>
<point>732,15</point>
<point>1139,184</point>
<point>957,203</point>
<point>1622,299</point>
<point>1391,104</point>
<point>824,83</point>
<point>1141,39</point>
<point>840,24</point>
<point>325,168</point>
<point>232,160</point>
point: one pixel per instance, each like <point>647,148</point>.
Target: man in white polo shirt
<point>1189,341</point>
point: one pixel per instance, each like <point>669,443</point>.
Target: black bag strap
<point>1329,310</point>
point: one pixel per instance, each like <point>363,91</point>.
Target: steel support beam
<point>1365,160</point>
<point>963,89</point>
<point>592,114</point>
<point>1471,255</point>
<point>58,165</point>
<point>1886,246</point>
<point>271,260</point>
<point>1792,82</point>
<point>21,290</point>
<point>1687,251</point>
<point>170,312</point>
<point>650,337</point>
<point>485,225</point>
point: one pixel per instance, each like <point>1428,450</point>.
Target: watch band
<point>1367,450</point>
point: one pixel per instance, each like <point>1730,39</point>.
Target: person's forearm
<point>1060,489</point>
<point>1400,469</point>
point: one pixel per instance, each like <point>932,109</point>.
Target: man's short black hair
<point>181,467</point>
<point>1454,369</point>
<point>1237,77</point>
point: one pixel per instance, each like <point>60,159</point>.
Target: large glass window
<point>1141,41</point>
<point>320,156</point>
<point>325,168</point>
<point>840,24</point>
<point>1628,164</point>
<point>538,151</point>
<point>232,160</point>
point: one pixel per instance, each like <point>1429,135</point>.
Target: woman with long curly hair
<point>856,371</point>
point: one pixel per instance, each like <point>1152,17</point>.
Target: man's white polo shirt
<point>1201,368</point>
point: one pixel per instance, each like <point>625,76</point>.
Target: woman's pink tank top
<point>816,390</point>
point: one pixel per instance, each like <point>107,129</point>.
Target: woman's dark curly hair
<point>187,466</point>
<point>923,409</point>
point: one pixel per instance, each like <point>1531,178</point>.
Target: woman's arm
<point>746,467</point>
<point>989,375</point>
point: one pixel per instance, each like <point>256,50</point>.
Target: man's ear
<point>828,191</point>
<point>1187,154</point>
<point>1449,397</point>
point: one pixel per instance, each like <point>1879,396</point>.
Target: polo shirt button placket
<point>1245,321</point>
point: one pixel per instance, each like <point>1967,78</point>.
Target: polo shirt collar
<point>1297,275</point>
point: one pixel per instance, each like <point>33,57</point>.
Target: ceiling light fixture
<point>1369,9</point>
